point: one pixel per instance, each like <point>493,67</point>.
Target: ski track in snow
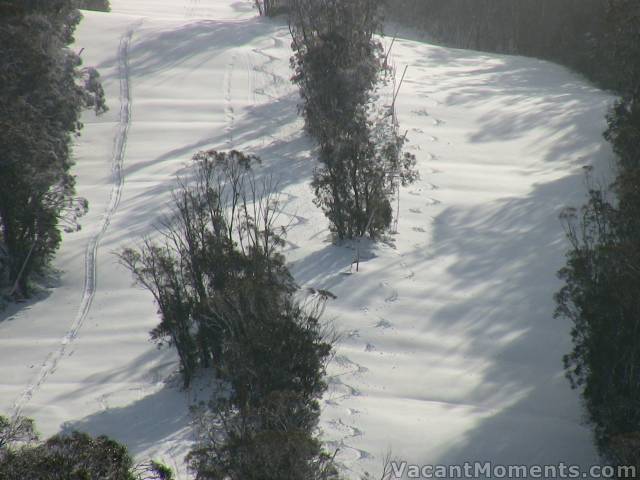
<point>90,263</point>
<point>339,389</point>
<point>229,112</point>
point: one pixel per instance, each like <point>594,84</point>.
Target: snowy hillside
<point>449,350</point>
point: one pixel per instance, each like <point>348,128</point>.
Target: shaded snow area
<point>449,351</point>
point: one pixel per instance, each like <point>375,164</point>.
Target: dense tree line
<point>339,64</point>
<point>43,89</point>
<point>68,456</point>
<point>227,301</point>
<point>570,32</point>
<point>601,295</point>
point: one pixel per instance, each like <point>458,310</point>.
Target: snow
<point>449,350</point>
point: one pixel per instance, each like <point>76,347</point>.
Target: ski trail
<point>90,266</point>
<point>229,111</point>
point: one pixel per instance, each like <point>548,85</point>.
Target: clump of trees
<point>72,456</point>
<point>601,295</point>
<point>43,89</point>
<point>338,66</point>
<point>227,301</point>
<point>219,261</point>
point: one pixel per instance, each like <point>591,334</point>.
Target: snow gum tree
<point>43,89</point>
<point>338,65</point>
<point>224,293</point>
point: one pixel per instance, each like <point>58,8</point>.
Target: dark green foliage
<point>361,171</point>
<point>73,456</point>
<point>622,45</point>
<point>277,348</point>
<point>623,132</point>
<point>98,5</point>
<point>627,449</point>
<point>338,63</point>
<point>601,295</point>
<point>69,456</point>
<point>275,362</point>
<point>43,90</point>
<point>272,441</point>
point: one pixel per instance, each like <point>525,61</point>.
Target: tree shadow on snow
<point>507,253</point>
<point>285,158</point>
<point>157,424</point>
<point>156,51</point>
<point>519,95</point>
<point>11,309</point>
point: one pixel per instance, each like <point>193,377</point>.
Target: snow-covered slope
<point>449,351</point>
